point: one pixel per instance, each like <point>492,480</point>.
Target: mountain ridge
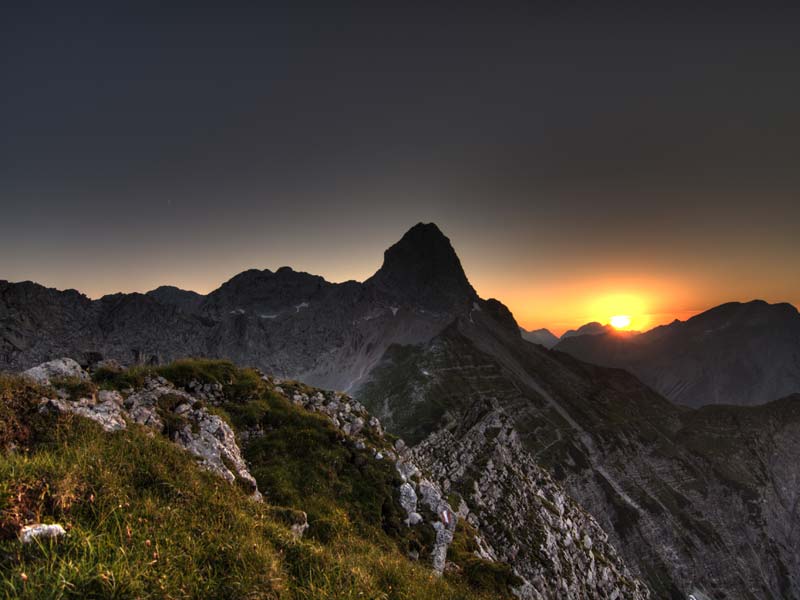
<point>423,360</point>
<point>737,353</point>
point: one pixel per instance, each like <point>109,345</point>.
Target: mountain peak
<point>543,336</point>
<point>593,328</point>
<point>422,268</point>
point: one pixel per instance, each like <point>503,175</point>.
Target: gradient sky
<point>585,159</point>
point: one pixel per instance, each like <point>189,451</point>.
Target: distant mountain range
<point>695,501</point>
<point>736,353</point>
<point>286,322</point>
<point>543,337</point>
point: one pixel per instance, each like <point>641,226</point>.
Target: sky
<point>585,159</point>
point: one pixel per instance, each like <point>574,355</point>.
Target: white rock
<point>39,531</point>
<point>414,519</point>
<point>61,368</point>
<point>299,528</point>
<point>112,396</point>
<point>408,498</point>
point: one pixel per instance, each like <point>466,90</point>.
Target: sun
<point>620,321</point>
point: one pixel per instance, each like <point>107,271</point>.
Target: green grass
<point>304,461</point>
<point>145,521</point>
<point>480,574</point>
<point>75,387</point>
<point>238,384</point>
<point>120,379</point>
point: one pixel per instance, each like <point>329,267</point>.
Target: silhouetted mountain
<point>735,353</point>
<point>543,337</point>
<point>286,322</point>
<point>423,270</point>
<point>593,328</point>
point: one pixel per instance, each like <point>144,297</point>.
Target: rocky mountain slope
<point>736,353</point>
<point>701,500</point>
<point>328,473</point>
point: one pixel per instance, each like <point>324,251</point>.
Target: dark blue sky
<point>568,150</point>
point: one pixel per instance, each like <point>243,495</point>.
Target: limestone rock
<point>408,498</point>
<point>205,435</point>
<point>61,368</point>
<point>39,531</point>
<point>524,517</point>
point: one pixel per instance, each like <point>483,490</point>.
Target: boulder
<point>408,498</point>
<point>61,368</point>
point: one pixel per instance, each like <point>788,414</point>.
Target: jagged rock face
<point>40,324</point>
<point>525,518</point>
<point>743,354</point>
<point>582,565</point>
<point>679,491</point>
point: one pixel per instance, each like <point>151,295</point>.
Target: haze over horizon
<point>584,161</point>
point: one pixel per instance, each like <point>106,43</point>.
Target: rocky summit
<point>509,467</point>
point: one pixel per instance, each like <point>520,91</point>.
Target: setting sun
<point>620,321</point>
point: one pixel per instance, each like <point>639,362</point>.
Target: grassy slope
<point>145,521</point>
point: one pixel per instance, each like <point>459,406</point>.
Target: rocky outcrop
<point>421,498</point>
<point>61,368</point>
<point>525,518</point>
<point>162,407</point>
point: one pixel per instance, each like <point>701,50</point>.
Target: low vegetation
<point>143,520</point>
<point>480,573</point>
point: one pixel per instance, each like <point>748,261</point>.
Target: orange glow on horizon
<point>568,303</point>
